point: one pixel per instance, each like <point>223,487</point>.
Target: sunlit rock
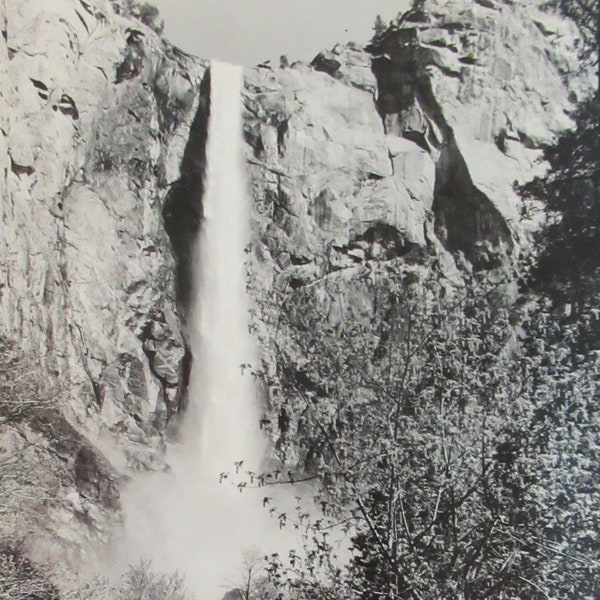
<point>95,115</point>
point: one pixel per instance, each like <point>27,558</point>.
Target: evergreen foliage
<point>569,263</point>
<point>586,14</point>
<point>416,12</point>
<point>149,15</point>
<point>145,12</point>
<point>379,27</point>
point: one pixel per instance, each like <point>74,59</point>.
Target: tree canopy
<point>569,263</point>
<point>455,447</point>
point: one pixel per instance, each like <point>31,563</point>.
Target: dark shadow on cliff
<point>466,220</point>
<point>182,212</point>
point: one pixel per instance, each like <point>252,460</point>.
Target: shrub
<point>462,459</point>
<point>20,579</point>
<point>148,14</point>
<point>141,582</point>
<point>24,397</point>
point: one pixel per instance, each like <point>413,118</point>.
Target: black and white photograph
<point>299,300</point>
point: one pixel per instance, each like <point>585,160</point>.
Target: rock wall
<point>95,113</point>
<point>482,87</point>
<point>404,152</point>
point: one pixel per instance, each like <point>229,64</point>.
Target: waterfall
<point>186,520</point>
<point>223,398</point>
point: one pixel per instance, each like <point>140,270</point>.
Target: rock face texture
<point>95,115</point>
<point>430,125</point>
<point>406,149</point>
<point>481,86</point>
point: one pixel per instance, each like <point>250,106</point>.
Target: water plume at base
<point>191,519</point>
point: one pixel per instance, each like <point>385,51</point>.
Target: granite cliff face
<point>405,152</point>
<point>433,123</point>
<point>96,111</point>
<point>400,151</point>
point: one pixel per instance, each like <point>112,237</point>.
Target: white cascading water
<point>187,520</point>
<point>224,411</point>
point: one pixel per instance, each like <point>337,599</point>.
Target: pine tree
<point>586,14</point>
<point>379,27</point>
<point>569,262</point>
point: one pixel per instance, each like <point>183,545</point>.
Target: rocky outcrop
<point>432,123</point>
<point>322,177</point>
<point>482,87</point>
<point>404,151</point>
<point>95,113</point>
<point>349,64</point>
